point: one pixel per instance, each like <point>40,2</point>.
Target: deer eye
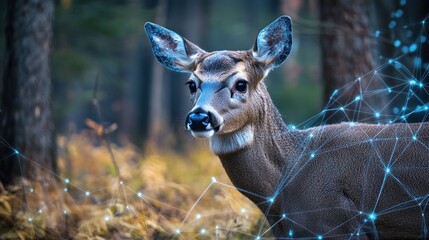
<point>192,86</point>
<point>241,86</point>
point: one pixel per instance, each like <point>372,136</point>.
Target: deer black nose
<point>198,121</point>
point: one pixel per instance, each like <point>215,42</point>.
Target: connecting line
<point>143,199</point>
<point>193,206</point>
<point>262,234</point>
<point>241,190</point>
<point>341,224</point>
<point>380,192</point>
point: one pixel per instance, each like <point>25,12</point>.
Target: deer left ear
<point>273,43</point>
<point>171,49</point>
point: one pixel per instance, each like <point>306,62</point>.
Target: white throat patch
<point>232,142</point>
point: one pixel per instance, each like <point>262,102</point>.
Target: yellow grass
<point>157,197</point>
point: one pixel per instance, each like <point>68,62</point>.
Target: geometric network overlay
<point>402,84</point>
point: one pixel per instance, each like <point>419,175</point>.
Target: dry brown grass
<point>151,201</point>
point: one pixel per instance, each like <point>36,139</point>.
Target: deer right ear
<point>273,43</point>
<point>172,50</point>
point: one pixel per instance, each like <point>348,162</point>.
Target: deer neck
<point>254,156</point>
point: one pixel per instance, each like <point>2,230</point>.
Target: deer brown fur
<point>349,180</point>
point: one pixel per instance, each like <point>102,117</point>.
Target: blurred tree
<point>403,20</point>
<point>26,121</point>
<point>347,53</point>
<point>168,98</point>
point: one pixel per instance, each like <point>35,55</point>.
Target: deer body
<point>333,181</point>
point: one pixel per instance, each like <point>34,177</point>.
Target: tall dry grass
<point>159,196</point>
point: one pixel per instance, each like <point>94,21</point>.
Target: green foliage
<point>90,38</point>
<point>298,103</point>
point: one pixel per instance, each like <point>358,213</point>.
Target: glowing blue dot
<point>312,155</point>
<point>390,61</point>
<point>357,98</point>
<point>403,2</point>
<point>397,43</point>
<point>67,180</point>
<point>420,85</point>
<point>351,124</point>
<point>395,110</point>
<point>389,90</point>
<point>377,33</point>
<point>203,231</point>
<point>139,194</point>
<point>311,135</point>
<point>359,79</point>
<point>388,170</point>
<point>397,65</point>
<point>87,193</point>
<point>293,126</point>
<point>403,117</point>
<point>372,216</point>
<point>414,138</point>
<point>417,61</point>
<point>377,115</point>
<point>360,212</point>
<point>290,233</point>
<point>342,108</point>
<point>16,152</point>
<point>30,219</point>
<point>404,49</point>
<point>319,237</point>
<point>412,82</point>
<point>271,199</point>
<point>413,47</point>
<point>392,24</point>
<point>258,237</point>
<point>178,231</point>
<point>399,13</point>
<point>422,39</point>
<point>283,215</point>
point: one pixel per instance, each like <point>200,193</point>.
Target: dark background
<point>106,39</point>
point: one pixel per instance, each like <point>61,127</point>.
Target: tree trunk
<point>26,120</point>
<point>346,55</point>
<point>159,130</point>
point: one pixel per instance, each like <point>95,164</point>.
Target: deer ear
<point>273,43</point>
<point>172,50</point>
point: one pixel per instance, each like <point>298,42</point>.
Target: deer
<point>340,181</point>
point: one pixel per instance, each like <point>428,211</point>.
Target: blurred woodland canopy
<point>105,40</point>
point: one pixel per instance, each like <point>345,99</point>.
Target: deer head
<point>225,87</point>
